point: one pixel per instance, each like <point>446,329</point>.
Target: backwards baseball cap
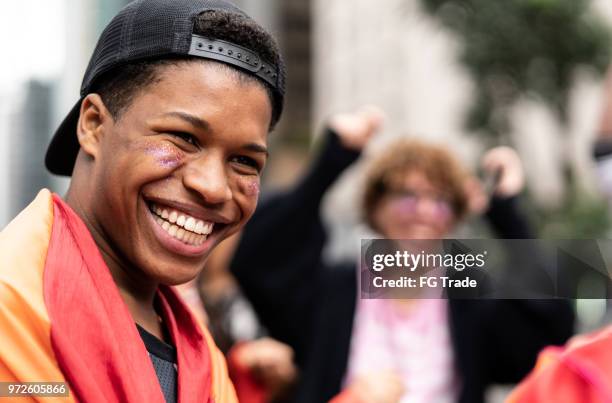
<point>153,30</point>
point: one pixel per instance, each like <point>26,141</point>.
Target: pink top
<point>414,341</point>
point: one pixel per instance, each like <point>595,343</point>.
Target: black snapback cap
<point>153,30</point>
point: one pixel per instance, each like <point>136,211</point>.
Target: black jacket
<point>310,306</point>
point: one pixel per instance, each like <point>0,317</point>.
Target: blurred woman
<point>415,190</point>
<point>417,351</point>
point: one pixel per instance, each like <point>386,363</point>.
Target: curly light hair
<point>400,158</point>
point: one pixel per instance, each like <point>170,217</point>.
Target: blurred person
<point>413,190</point>
<point>232,320</point>
<point>165,149</point>
<point>262,370</point>
<point>260,367</point>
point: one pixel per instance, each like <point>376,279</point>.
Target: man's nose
<point>209,178</point>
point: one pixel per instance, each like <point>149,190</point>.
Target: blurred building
<point>30,126</point>
<point>31,113</point>
<point>391,55</point>
<point>85,21</point>
<point>396,56</point>
<point>290,23</point>
<point>345,53</point>
<point>5,117</point>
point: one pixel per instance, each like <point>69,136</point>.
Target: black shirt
<point>163,357</point>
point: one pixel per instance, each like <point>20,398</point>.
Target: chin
<point>168,269</point>
<point>174,277</point>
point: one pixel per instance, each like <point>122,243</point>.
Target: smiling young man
<point>165,149</point>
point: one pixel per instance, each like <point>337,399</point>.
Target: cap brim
<point>64,147</point>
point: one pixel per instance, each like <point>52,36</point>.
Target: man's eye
<point>186,137</point>
<point>248,161</point>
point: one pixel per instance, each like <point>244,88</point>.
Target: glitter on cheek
<point>249,186</point>
<point>165,155</point>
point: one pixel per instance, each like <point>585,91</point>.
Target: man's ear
<point>93,120</point>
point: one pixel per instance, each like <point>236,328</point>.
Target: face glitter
<point>165,154</point>
<point>249,186</point>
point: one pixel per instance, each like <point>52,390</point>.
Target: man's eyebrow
<point>193,120</point>
<point>256,148</point>
<point>202,124</point>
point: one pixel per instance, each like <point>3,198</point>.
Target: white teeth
<point>172,230</point>
<point>190,224</point>
<point>199,228</point>
<point>186,229</point>
<point>172,217</point>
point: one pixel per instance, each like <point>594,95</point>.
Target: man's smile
<point>182,226</point>
<point>184,229</point>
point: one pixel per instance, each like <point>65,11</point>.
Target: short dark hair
<point>119,86</point>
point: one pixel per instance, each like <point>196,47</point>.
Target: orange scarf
<point>67,322</point>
